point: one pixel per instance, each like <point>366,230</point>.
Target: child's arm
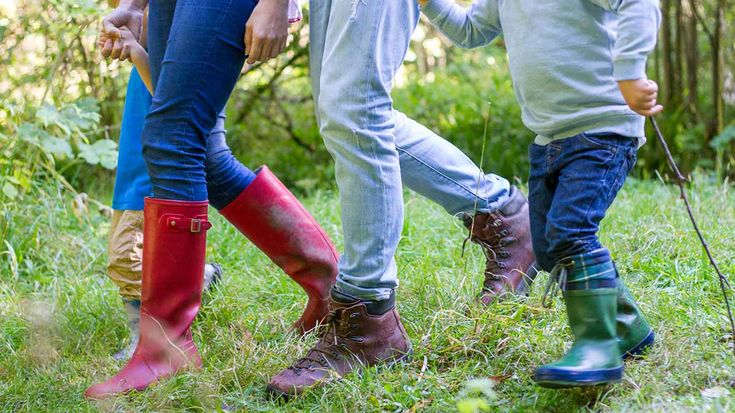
<point>468,28</point>
<point>138,56</point>
<point>638,23</point>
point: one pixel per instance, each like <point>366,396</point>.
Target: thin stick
<point>480,175</point>
<point>681,180</point>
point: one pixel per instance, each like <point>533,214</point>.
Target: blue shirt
<point>565,57</point>
<point>132,183</point>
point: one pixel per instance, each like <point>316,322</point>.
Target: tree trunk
<point>680,36</point>
<point>692,58</point>
<point>718,122</point>
<point>668,62</point>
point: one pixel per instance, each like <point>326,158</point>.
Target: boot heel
<point>641,347</point>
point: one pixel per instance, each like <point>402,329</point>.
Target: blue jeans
<point>197,51</point>
<point>226,176</point>
<point>573,182</point>
<point>357,47</point>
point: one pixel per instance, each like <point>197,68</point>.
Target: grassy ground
<point>60,319</point>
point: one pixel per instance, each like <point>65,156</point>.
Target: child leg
<point>586,173</point>
<point>125,267</point>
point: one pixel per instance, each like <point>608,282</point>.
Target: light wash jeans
<point>357,47</point>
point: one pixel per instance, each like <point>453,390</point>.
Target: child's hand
<point>640,95</point>
<point>130,43</point>
<point>127,43</point>
<point>129,17</point>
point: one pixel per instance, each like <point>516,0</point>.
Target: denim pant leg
<point>226,176</point>
<point>541,190</point>
<point>363,47</point>
<point>430,165</point>
<point>438,170</point>
<point>197,52</point>
<point>590,171</point>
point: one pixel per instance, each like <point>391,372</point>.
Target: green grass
<point>60,318</point>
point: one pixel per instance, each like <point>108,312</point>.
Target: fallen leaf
<point>501,378</point>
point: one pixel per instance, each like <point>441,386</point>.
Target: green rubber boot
<point>635,335</point>
<point>590,288</point>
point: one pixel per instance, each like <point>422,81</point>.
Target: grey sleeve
<point>469,27</point>
<point>638,24</point>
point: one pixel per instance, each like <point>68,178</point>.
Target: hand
<point>640,95</point>
<point>110,41</point>
<point>266,32</point>
<point>130,44</point>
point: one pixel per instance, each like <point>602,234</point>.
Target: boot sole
<point>555,379</point>
<point>278,394</point>
<point>641,347</point>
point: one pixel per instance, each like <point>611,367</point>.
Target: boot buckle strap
<point>193,225</point>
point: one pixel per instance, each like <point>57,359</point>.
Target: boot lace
<point>331,344</point>
<point>493,246</point>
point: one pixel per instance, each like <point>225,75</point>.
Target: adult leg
<point>271,217</point>
<point>197,54</point>
<point>438,170</point>
<point>356,121</point>
<point>495,213</point>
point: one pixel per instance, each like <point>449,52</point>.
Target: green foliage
<point>721,141</point>
<point>62,105</point>
<point>459,101</point>
<point>476,395</point>
<point>51,139</point>
<point>61,318</point>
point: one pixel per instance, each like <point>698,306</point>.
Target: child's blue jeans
<point>572,183</point>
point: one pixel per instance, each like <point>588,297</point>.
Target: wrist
<point>133,5</point>
<point>629,69</point>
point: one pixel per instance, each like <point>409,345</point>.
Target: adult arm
<point>473,27</point>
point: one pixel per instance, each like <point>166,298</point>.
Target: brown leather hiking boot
<point>352,338</point>
<point>505,237</point>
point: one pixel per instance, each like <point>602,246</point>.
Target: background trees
<point>61,104</point>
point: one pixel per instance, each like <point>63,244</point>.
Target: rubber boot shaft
<point>271,217</point>
<point>591,298</point>
<point>173,263</point>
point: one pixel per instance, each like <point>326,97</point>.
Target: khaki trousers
<point>125,252</point>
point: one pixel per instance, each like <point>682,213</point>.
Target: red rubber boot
<point>268,214</point>
<point>175,234</point>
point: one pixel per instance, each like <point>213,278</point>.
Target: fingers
<point>651,112</point>
<point>248,41</point>
<point>283,42</point>
<point>125,53</point>
<point>256,48</point>
<point>109,30</point>
<point>264,48</point>
<point>117,47</point>
<point>107,47</point>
